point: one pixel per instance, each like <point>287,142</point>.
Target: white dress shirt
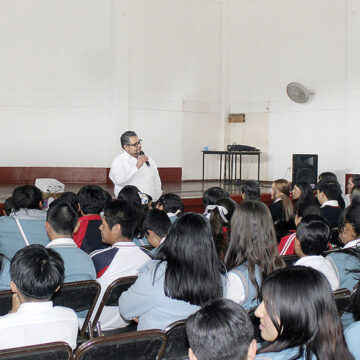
<point>124,172</point>
<point>37,323</point>
<point>319,263</point>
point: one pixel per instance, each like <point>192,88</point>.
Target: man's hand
<point>141,160</point>
<point>15,303</point>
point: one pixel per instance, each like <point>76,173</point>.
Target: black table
<point>230,162</point>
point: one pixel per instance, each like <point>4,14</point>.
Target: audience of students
<point>171,204</point>
<point>92,201</point>
<point>312,239</point>
<point>185,274</point>
<point>122,258</point>
<point>60,224</point>
<point>36,273</point>
<point>220,330</point>
<point>282,207</point>
<point>26,223</point>
<point>299,318</point>
<point>252,254</point>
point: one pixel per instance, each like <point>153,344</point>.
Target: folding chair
<point>289,260</point>
<point>342,299</point>
<point>177,345</point>
<point>49,351</point>
<point>111,297</point>
<point>140,345</point>
<point>5,302</point>
<point>79,296</point>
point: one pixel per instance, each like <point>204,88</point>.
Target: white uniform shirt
<point>126,262</point>
<point>124,172</point>
<point>319,263</point>
<point>38,323</point>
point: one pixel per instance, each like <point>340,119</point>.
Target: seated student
<point>329,176</point>
<point>212,195</point>
<point>72,199</point>
<point>312,238</point>
<point>92,200</point>
<point>282,207</point>
<point>178,280</point>
<point>156,225</point>
<point>36,273</point>
<point>252,254</point>
<point>220,330</point>
<point>327,193</point>
<point>287,243</point>
<point>122,258</point>
<point>26,223</point>
<point>61,221</point>
<point>171,204</point>
<point>220,218</point>
<point>250,190</point>
<point>354,181</point>
<point>299,318</point>
<point>302,192</point>
<point>352,333</point>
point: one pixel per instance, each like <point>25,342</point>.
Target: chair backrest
<point>177,343</point>
<point>342,299</point>
<point>289,260</point>
<point>79,296</point>
<point>147,251</point>
<point>137,345</point>
<point>48,351</point>
<point>112,294</point>
<point>5,302</point>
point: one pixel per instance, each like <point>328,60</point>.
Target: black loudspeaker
<point>305,168</point>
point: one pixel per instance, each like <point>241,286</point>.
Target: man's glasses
<point>136,144</point>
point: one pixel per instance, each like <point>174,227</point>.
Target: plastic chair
<point>177,343</point>
<point>140,345</point>
<point>342,299</point>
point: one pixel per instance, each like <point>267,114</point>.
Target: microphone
<point>146,162</point>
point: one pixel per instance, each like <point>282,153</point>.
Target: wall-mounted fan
<point>298,93</point>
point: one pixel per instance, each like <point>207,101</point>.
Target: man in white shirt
<point>36,273</point>
<point>133,167</point>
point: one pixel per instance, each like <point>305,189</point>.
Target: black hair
<point>26,197</point>
<point>330,188</point>
<point>355,179</point>
<point>120,212</point>
<point>171,203</point>
<point>37,271</point>
<point>301,306</point>
<point>71,198</point>
<point>218,225</point>
<point>313,234</point>
<point>92,199</point>
<point>130,193</point>
<point>124,139</point>
<point>157,221</point>
<point>213,194</point>
<point>8,205</point>
<point>251,190</point>
<point>253,241</point>
<point>306,191</point>
<point>190,276</point>
<point>220,330</point>
<point>307,208</point>
<point>62,217</point>
<point>355,195</point>
<point>351,215</point>
<point>327,175</point>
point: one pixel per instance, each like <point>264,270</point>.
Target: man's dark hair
<point>251,190</point>
<point>157,221</point>
<point>307,208</point>
<point>313,234</point>
<point>92,199</point>
<point>327,175</point>
<point>330,188</point>
<point>8,205</point>
<point>62,217</point>
<point>120,212</point>
<point>26,197</point>
<point>71,198</point>
<point>171,203</point>
<point>124,139</point>
<point>220,330</point>
<point>37,271</point>
<point>213,194</point>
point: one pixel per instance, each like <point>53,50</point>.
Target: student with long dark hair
<point>282,207</point>
<point>26,222</point>
<point>185,274</point>
<point>302,192</point>
<point>252,252</point>
<point>299,318</point>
